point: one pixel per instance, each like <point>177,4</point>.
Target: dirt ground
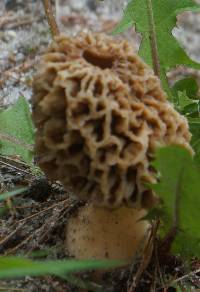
<point>33,223</point>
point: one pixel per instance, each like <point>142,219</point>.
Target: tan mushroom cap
<point>100,113</point>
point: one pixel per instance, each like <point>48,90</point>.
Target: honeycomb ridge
<point>100,113</point>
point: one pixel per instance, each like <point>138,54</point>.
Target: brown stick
<point>153,40</point>
<point>147,255</point>
<point>50,18</point>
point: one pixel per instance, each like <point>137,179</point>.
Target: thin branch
<point>147,255</point>
<point>193,273</point>
<point>14,167</point>
<point>43,211</point>
<point>153,40</point>
<point>50,18</point>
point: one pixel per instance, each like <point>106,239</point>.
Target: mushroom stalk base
<point>100,233</point>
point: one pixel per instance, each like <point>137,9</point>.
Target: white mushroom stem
<point>100,233</point>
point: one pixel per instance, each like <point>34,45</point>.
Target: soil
<point>33,223</point>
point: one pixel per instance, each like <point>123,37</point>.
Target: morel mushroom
<point>100,113</point>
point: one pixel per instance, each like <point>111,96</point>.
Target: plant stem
<point>153,40</point>
<point>50,18</point>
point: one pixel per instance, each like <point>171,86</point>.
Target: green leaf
<point>154,213</point>
<point>187,85</point>
<point>186,106</point>
<point>7,195</point>
<point>192,110</point>
<point>183,103</point>
<point>178,288</point>
<point>158,16</point>
<point>179,188</point>
<point>12,267</point>
<point>3,210</point>
<point>185,97</point>
<point>16,131</point>
<point>187,102</point>
<point>194,124</point>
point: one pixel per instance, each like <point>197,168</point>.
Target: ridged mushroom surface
<point>100,113</point>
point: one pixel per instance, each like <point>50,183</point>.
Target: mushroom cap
<point>100,113</point>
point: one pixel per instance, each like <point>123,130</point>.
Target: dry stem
<point>50,18</point>
<point>153,40</point>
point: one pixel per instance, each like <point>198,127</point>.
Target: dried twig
<point>14,161</point>
<point>193,273</point>
<point>15,167</point>
<point>9,20</point>
<point>20,23</point>
<point>17,247</point>
<point>50,18</point>
<point>10,235</point>
<point>146,257</point>
<point>43,211</point>
<point>179,280</point>
<point>153,40</point>
<point>158,270</point>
